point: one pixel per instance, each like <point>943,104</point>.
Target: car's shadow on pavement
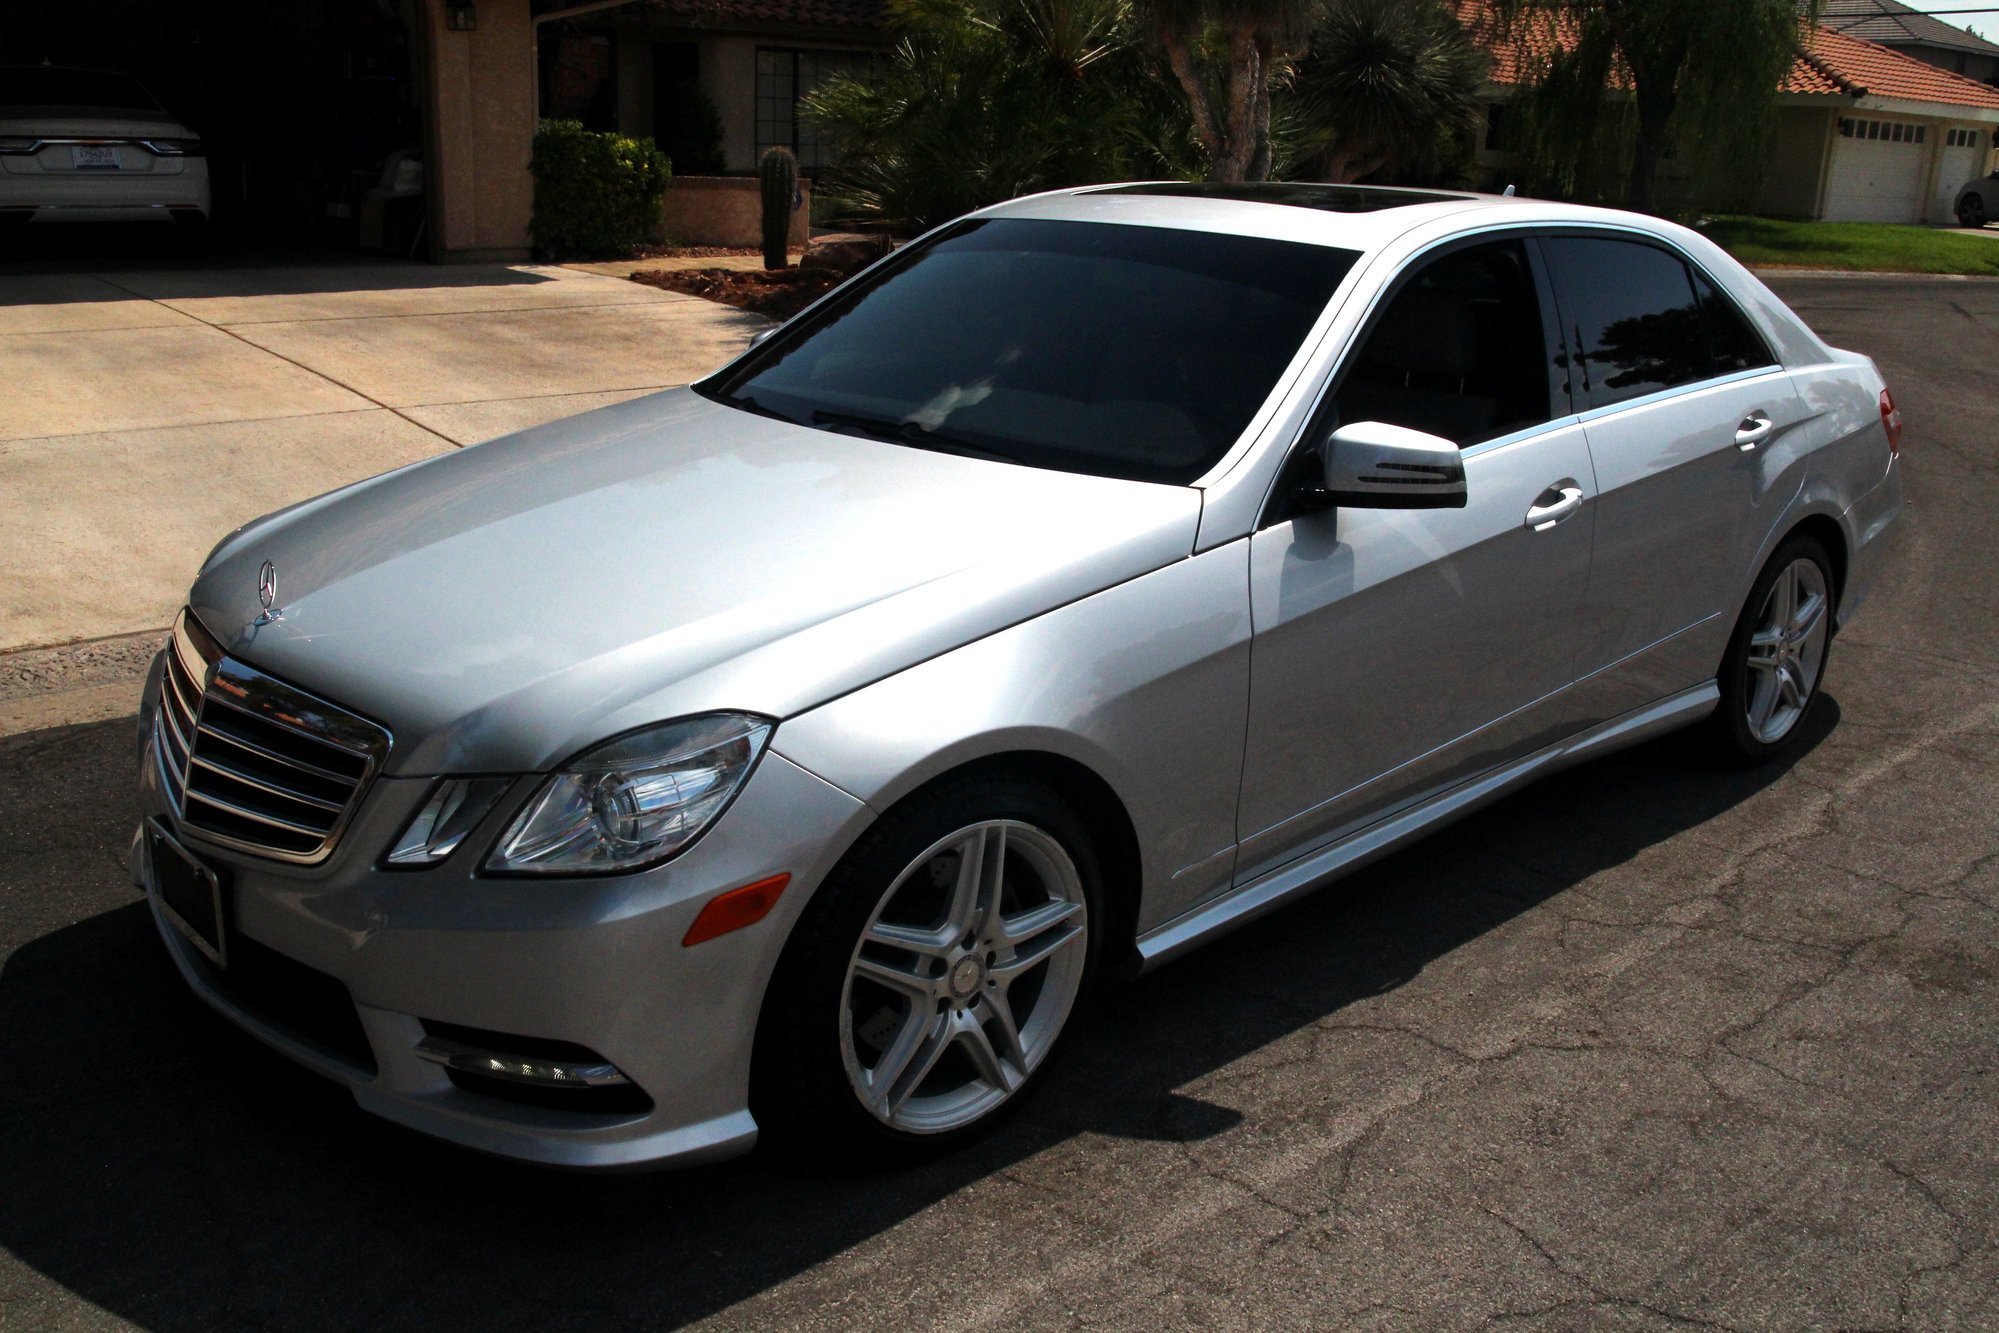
<point>173,1172</point>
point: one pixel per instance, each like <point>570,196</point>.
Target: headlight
<point>634,802</point>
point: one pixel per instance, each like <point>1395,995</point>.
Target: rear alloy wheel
<point>1777,658</point>
<point>934,973</point>
<point>1971,211</point>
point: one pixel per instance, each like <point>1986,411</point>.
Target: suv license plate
<point>189,895</point>
<point>94,157</point>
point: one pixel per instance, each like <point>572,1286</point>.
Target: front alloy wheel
<point>963,977</point>
<point>929,981</point>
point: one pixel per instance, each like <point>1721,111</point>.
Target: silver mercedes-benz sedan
<point>796,748</point>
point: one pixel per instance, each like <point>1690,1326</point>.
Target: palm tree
<point>983,100</point>
<point>1386,86</point>
<point>1250,40</point>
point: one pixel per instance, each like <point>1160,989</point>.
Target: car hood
<point>502,607</point>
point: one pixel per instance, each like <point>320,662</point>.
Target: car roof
<point>1352,217</point>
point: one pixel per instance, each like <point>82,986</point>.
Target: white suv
<point>87,143</point>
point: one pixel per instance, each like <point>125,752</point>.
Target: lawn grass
<point>1768,243</point>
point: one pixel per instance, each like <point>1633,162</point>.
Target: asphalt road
<point>1648,1046</point>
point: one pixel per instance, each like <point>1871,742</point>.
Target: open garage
<point>307,111</point>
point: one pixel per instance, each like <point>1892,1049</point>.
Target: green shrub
<point>595,195</point>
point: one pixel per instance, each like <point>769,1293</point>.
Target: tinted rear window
<point>1632,311</point>
<point>1135,352</point>
<point>1732,339</point>
<point>37,86</point>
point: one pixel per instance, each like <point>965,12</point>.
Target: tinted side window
<point>1632,312</point>
<point>1733,340</point>
<point>1458,352</point>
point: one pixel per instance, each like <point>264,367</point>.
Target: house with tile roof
<point>1892,24</point>
<point>1861,132</point>
<point>632,67</point>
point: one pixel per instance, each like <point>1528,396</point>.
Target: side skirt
<point>1270,891</point>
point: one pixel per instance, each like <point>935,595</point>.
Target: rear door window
<point>1733,341</point>
<point>1633,314</point>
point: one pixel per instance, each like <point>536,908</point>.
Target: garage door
<point>1963,154</point>
<point>1877,172</point>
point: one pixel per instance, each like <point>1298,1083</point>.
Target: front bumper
<point>593,962</point>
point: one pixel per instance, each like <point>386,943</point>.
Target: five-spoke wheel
<point>964,976</point>
<point>1778,653</point>
<point>948,949</point>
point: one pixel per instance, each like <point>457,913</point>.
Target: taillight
<point>1891,421</point>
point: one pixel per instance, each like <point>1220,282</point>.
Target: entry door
<point>1397,652</point>
<point>1686,421</point>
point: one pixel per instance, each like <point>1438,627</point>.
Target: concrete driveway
<point>145,414</point>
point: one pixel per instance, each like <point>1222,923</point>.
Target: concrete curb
<point>1870,275</point>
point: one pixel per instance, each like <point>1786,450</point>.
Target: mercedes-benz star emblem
<point>267,593</point>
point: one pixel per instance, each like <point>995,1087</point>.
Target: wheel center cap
<point>966,976</point>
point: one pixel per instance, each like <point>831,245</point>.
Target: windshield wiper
<point>910,433</point>
<point>749,404</point>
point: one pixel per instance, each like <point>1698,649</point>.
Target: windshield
<point>1133,352</point>
<point>44,86</point>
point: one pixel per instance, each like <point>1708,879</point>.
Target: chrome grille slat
<point>255,817</point>
<point>248,761</point>
<point>262,785</point>
<point>264,752</point>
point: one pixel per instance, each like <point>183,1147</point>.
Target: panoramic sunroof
<point>1294,194</point>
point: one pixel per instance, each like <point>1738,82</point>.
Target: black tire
<point>1729,730</point>
<point>801,1091</point>
<point>1971,211</point>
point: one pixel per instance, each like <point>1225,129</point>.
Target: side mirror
<point>1373,465</point>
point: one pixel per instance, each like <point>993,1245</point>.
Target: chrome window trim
<point>1677,391</point>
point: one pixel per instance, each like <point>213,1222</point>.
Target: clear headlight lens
<point>453,810</point>
<point>634,802</point>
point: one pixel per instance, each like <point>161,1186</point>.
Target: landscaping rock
<point>844,252</point>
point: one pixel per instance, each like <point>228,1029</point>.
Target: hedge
<point>595,195</point>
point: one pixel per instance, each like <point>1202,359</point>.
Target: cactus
<point>777,173</point>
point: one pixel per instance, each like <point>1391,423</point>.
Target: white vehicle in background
<point>94,144</point>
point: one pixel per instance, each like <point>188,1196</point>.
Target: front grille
<point>250,762</point>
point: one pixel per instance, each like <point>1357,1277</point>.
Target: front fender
<point>1146,684</point>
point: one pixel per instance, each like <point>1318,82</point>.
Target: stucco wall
<point>481,131</point>
<point>725,210</point>
<point>1794,165</point>
<point>729,77</point>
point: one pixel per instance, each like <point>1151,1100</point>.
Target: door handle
<point>1558,502</point>
<point>1755,429</point>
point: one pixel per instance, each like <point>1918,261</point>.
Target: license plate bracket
<point>190,895</point>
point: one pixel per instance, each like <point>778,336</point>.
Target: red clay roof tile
<point>1831,63</point>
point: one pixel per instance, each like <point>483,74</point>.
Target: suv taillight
<point>1891,421</point>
